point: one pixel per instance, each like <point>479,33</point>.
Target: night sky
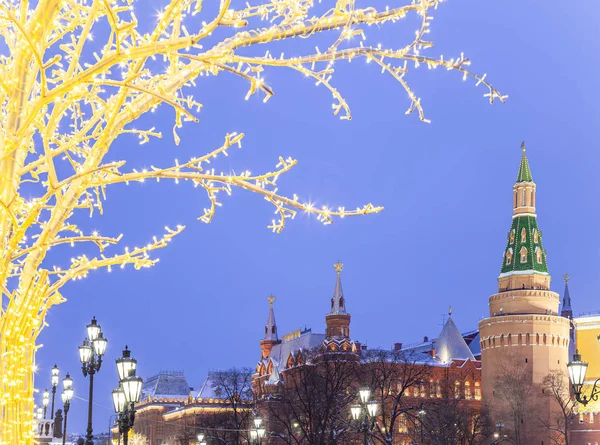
<point>446,188</point>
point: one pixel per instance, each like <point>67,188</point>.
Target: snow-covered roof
<point>305,341</point>
<point>210,388</point>
<point>451,345</point>
<point>166,384</point>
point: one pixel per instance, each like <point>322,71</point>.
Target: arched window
<point>438,389</point>
<point>468,394</point>
<point>523,254</point>
<point>536,236</point>
<point>524,196</point>
<point>477,391</point>
<point>509,340</point>
<point>457,389</point>
<point>501,339</point>
<point>512,236</point>
<point>509,255</point>
<point>515,200</point>
<point>538,254</point>
<point>523,235</point>
<point>341,302</point>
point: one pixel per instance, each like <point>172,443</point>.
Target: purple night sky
<point>446,188</point>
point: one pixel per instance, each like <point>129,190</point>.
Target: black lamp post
<point>66,396</point>
<point>258,432</point>
<point>45,401</point>
<point>54,381</point>
<point>90,354</point>
<point>365,411</point>
<point>577,370</point>
<point>421,418</point>
<point>127,394</point>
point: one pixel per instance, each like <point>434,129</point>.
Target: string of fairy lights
<point>67,94</point>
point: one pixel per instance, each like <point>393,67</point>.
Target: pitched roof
<point>451,345</point>
<point>166,384</point>
<point>306,341</point>
<point>523,242</point>
<point>524,174</point>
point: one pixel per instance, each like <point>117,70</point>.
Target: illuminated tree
<point>66,97</point>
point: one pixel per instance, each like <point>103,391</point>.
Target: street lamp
<point>45,401</point>
<point>54,381</point>
<point>421,417</point>
<point>66,396</point>
<point>90,354</point>
<point>201,439</point>
<point>127,394</point>
<point>258,432</point>
<point>577,371</point>
<point>498,436</point>
<point>365,411</point>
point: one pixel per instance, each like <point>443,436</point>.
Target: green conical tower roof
<point>524,170</point>
<point>524,252</point>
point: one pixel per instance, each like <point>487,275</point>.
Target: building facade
<point>305,375</point>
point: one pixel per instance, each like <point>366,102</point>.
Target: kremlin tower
<point>524,332</point>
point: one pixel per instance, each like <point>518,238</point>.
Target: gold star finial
<point>338,267</point>
<point>271,300</point>
<point>566,277</point>
<point>523,147</point>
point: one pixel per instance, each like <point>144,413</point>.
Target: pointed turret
<point>524,261</point>
<point>270,338</point>
<point>338,304</point>
<point>567,312</point>
<point>338,320</point>
<point>524,170</point>
<point>451,345</point>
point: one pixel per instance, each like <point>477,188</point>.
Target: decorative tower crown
<point>524,254</point>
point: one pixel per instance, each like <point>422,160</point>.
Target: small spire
<point>524,170</point>
<point>271,326</point>
<point>338,305</point>
<point>567,311</point>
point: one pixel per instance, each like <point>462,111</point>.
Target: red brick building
<point>414,386</point>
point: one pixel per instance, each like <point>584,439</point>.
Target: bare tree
<point>391,375</point>
<point>312,406</point>
<point>233,420</point>
<point>555,387</point>
<point>450,421</point>
<point>516,392</point>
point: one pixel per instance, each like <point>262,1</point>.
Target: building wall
<point>585,428</point>
<point>532,343</point>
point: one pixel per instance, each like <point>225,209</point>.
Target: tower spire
<point>271,326</point>
<point>567,310</point>
<point>338,319</point>
<point>524,263</point>
<point>524,174</point>
<point>338,304</point>
<point>270,338</point>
